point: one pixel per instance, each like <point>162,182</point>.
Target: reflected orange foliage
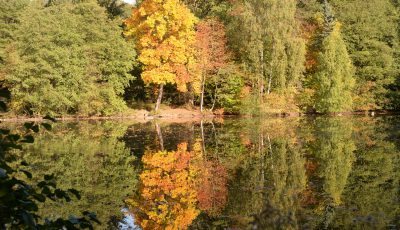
<point>167,198</point>
<point>212,189</point>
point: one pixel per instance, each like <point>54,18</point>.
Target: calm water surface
<point>272,173</point>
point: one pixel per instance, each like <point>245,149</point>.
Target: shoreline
<point>193,116</point>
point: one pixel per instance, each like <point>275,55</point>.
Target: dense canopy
<point>77,57</point>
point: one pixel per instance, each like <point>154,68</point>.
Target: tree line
<point>91,58</point>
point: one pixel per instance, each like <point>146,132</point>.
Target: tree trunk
<point>190,95</point>
<point>215,95</point>
<point>270,74</point>
<point>203,147</point>
<point>262,75</point>
<point>269,84</point>
<point>160,137</point>
<point>160,94</point>
<point>202,93</point>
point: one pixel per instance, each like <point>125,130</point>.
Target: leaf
<point>4,131</point>
<point>39,197</point>
<point>28,125</point>
<point>27,218</point>
<point>62,194</point>
<point>75,192</point>
<point>35,128</point>
<point>28,139</point>
<point>47,126</point>
<point>13,137</point>
<point>28,174</point>
<point>49,177</point>
<point>46,191</point>
<point>73,220</point>
<point>41,184</point>
<point>47,117</point>
<point>3,106</point>
<point>59,193</point>
<point>92,216</point>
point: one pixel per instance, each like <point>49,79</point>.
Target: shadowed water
<point>271,173</point>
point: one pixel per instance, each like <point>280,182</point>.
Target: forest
<point>251,57</point>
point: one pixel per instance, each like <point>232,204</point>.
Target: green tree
<point>334,75</point>
<point>265,37</point>
<point>10,12</point>
<point>202,8</point>
<point>60,68</point>
<point>370,30</point>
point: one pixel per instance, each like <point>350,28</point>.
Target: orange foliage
<point>211,45</point>
<point>211,49</point>
<point>309,31</point>
<point>167,198</point>
<point>212,188</point>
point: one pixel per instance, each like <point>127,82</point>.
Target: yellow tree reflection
<point>167,198</point>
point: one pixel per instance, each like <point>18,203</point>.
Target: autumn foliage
<point>211,51</point>
<point>212,189</point>
<point>167,198</point>
<point>175,186</point>
<point>164,31</point>
<point>211,45</point>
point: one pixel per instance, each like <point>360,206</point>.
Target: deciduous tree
<point>60,68</point>
<point>164,34</point>
<point>334,75</point>
<point>211,51</point>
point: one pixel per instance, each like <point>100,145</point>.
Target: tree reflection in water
<point>292,173</point>
<point>167,196</point>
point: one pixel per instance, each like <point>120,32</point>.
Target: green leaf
<point>47,126</point>
<point>47,117</point>
<point>28,139</point>
<point>39,197</point>
<point>28,174</point>
<point>4,131</point>
<point>28,125</point>
<point>35,128</point>
<point>42,184</point>
<point>3,106</point>
<point>46,191</point>
<point>49,177</point>
<point>75,192</point>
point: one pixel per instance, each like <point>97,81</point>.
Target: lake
<point>247,173</point>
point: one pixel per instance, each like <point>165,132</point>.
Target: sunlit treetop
<point>164,33</point>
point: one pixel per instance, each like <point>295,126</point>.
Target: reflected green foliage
<point>88,157</point>
<point>287,181</point>
<point>281,173</point>
<point>334,149</point>
<point>20,199</point>
<point>373,184</point>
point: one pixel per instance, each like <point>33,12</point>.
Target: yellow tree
<point>164,33</point>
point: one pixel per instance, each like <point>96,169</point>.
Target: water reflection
<point>167,195</point>
<point>297,173</point>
